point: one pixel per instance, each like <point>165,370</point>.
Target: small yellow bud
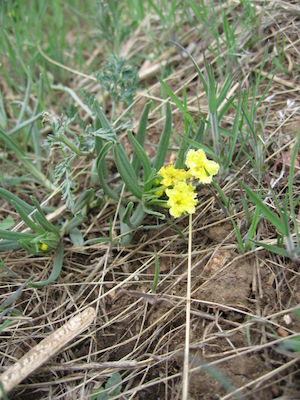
<point>159,193</point>
<point>44,247</point>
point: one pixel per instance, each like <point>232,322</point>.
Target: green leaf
<point>28,221</point>
<point>179,163</point>
<point>9,197</point>
<point>83,200</point>
<point>268,214</point>
<point>207,149</point>
<point>126,171</point>
<point>101,167</point>
<point>201,77</point>
<point>102,117</point>
<point>140,136</point>
<point>13,297</point>
<point>27,164</point>
<point>164,140</point>
<point>114,381</point>
<point>212,100</point>
<point>275,249</point>
<point>6,245</point>
<point>15,235</point>
<point>40,217</point>
<point>292,344</point>
<point>224,90</point>
<point>76,237</point>
<point>126,213</point>
<point>56,269</point>
<point>7,223</point>
<point>141,155</point>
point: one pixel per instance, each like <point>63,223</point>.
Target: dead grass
<point>242,304</point>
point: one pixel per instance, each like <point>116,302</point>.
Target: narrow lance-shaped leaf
<point>126,171</point>
<point>101,168</point>
<point>164,140</point>
<point>56,269</point>
<point>140,136</point>
<point>274,249</point>
<point>9,235</point>
<point>28,221</point>
<point>126,213</point>
<point>6,245</point>
<point>10,198</point>
<point>106,126</point>
<point>40,217</point>
<point>141,156</point>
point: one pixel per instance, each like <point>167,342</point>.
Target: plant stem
<point>185,387</point>
<point>72,147</point>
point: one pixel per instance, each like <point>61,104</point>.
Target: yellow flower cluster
<point>200,167</point>
<point>182,197</point>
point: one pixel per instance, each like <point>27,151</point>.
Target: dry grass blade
<point>49,346</point>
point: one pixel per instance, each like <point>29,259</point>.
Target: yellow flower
<point>182,199</point>
<point>200,167</point>
<point>43,247</point>
<point>171,176</point>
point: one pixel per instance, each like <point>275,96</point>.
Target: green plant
<point>41,236</point>
<point>119,80</point>
<point>112,388</point>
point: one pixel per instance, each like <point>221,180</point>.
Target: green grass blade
<point>14,296</point>
<point>25,102</point>
<point>291,183</point>
<point>274,249</point>
<point>268,214</point>
<point>201,77</point>
<point>212,90</point>
<point>253,226</point>
<point>156,274</point>
<point>102,117</point>
<point>224,91</point>
<point>235,131</point>
<point>23,124</point>
<point>3,115</point>
<point>179,104</point>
